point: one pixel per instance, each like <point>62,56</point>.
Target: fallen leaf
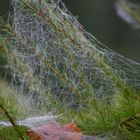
<point>55,132</point>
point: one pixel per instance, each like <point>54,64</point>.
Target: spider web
<point>52,52</point>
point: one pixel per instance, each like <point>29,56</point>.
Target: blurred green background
<point>100,19</point>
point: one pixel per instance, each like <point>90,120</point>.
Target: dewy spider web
<point>51,52</point>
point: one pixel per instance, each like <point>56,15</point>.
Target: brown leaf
<point>55,132</point>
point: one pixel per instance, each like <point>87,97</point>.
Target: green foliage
<point>119,119</point>
<point>59,67</point>
<point>16,105</point>
<point>9,133</point>
<point>3,60</point>
<point>12,107</point>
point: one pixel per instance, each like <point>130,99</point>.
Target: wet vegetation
<point>49,63</point>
